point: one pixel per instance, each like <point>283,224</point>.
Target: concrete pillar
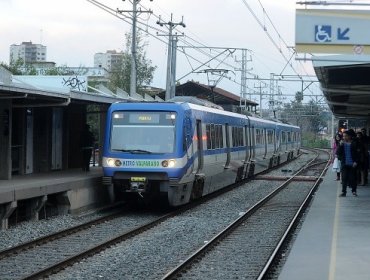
<point>5,212</point>
<point>35,206</point>
<point>64,204</point>
<point>5,139</point>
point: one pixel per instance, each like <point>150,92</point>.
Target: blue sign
<point>322,33</point>
<point>341,35</point>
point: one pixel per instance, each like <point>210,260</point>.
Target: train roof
<point>168,104</point>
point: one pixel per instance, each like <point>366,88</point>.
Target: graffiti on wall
<point>75,83</point>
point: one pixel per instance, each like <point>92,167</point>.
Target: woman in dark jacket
<point>348,154</point>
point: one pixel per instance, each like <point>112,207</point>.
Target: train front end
<point>143,151</point>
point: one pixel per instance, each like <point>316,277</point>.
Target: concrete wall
<point>5,139</point>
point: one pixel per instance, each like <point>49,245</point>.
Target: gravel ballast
<point>152,254</point>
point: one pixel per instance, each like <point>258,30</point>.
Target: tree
<point>120,76</point>
<point>299,97</point>
<point>311,118</point>
<point>18,67</point>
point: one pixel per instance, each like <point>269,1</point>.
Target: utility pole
<point>171,58</point>
<point>134,13</point>
<point>272,92</point>
<point>260,87</point>
<point>243,74</point>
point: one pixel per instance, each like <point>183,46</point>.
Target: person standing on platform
<point>348,154</point>
<point>336,142</point>
<point>87,143</point>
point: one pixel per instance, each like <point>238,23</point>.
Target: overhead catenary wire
<point>281,38</point>
<point>127,19</point>
<point>145,27</point>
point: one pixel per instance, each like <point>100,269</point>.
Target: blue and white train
<point>184,150</point>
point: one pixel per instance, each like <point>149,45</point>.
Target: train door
<point>274,137</point>
<point>247,144</point>
<point>199,146</point>
<point>227,145</point>
<point>252,136</point>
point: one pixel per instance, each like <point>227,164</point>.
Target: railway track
<point>45,256</point>
<point>249,247</point>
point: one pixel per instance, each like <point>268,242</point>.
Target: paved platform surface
<point>33,185</point>
<point>334,241</point>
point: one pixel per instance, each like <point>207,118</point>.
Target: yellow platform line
<point>333,254</point>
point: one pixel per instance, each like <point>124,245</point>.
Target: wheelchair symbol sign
<point>322,33</point>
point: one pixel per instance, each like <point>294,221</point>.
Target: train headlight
<point>117,163</point>
<point>171,163</point>
<point>110,162</point>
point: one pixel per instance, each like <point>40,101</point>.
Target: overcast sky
<point>74,30</point>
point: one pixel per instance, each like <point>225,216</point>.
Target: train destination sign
<point>332,31</point>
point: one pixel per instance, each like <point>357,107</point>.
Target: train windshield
<point>143,132</point>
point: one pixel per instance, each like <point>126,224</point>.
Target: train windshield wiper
<point>133,151</point>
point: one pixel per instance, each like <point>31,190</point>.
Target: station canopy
<point>51,91</point>
<point>345,82</point>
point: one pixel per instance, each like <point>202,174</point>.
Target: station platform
<point>334,240</point>
<point>75,190</point>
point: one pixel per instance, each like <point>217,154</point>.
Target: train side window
<point>221,137</point>
<point>213,137</point>
<point>208,132</point>
<point>259,137</point>
<point>283,137</point>
<point>270,136</point>
<point>240,129</point>
<point>289,137</point>
<point>217,130</point>
<point>234,136</point>
<point>237,135</point>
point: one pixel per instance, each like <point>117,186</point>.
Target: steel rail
<point>53,268</point>
<point>198,254</point>
<point>293,223</point>
<point>57,235</point>
<point>42,273</point>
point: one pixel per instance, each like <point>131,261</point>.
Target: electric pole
<point>260,87</point>
<point>134,13</point>
<point>243,74</point>
<point>171,58</point>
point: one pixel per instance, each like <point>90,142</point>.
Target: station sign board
<point>332,31</point>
